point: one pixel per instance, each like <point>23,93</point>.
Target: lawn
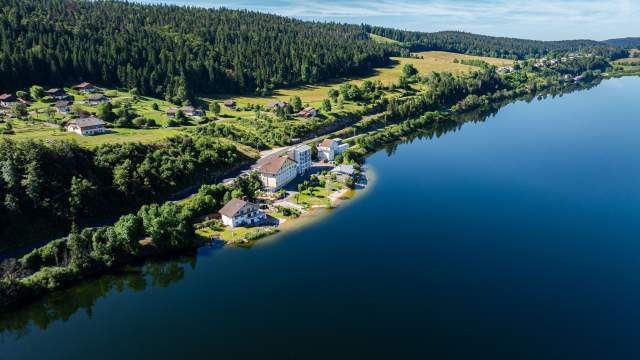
<point>233,234</point>
<point>43,131</point>
<point>317,196</point>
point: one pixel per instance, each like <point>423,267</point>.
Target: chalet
<point>96,99</point>
<point>187,110</point>
<point>277,104</point>
<point>277,172</point>
<point>8,100</point>
<point>86,88</point>
<point>302,156</point>
<point>308,112</point>
<point>171,112</point>
<point>63,106</point>
<point>329,148</point>
<point>229,104</point>
<point>58,94</point>
<point>191,111</point>
<point>86,126</point>
<point>241,213</point>
<point>506,69</point>
<point>24,102</point>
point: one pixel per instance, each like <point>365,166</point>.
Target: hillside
<point>628,42</point>
<point>483,45</point>
<point>172,51</point>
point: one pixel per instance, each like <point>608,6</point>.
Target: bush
<point>50,278</point>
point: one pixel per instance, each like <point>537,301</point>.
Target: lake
<point>511,238</point>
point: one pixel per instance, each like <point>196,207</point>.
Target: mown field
<point>428,61</point>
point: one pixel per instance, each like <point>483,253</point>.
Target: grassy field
<point>384,40</point>
<point>428,62</point>
<point>627,61</point>
<point>42,131</point>
<point>311,95</point>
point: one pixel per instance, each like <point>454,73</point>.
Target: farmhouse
<point>241,213</point>
<point>86,88</point>
<point>8,100</point>
<point>329,148</point>
<point>96,99</point>
<point>308,112</point>
<point>63,106</point>
<point>277,104</point>
<point>302,156</point>
<point>230,104</point>
<point>58,94</point>
<point>191,111</point>
<point>86,126</point>
<point>277,172</point>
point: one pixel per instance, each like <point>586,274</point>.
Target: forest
<point>467,43</point>
<point>61,183</point>
<point>173,52</point>
<point>628,42</point>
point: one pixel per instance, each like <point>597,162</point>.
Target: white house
<point>241,213</point>
<point>86,126</point>
<point>277,172</point>
<point>302,156</point>
<point>329,148</point>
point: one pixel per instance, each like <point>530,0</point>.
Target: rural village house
<point>229,104</point>
<point>308,112</point>
<point>277,104</point>
<point>63,106</point>
<point>187,110</point>
<point>86,88</point>
<point>96,99</point>
<point>58,94</point>
<point>8,100</point>
<point>86,126</point>
<point>241,213</point>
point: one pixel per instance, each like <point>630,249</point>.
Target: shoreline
<point>339,199</point>
<point>17,291</point>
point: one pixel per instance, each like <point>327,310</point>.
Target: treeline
<point>54,185</point>
<point>172,51</point>
<point>627,43</point>
<point>467,43</point>
<point>154,230</point>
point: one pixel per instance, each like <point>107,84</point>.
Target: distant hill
<point>628,42</point>
<point>463,42</point>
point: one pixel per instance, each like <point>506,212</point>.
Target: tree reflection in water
<point>61,305</point>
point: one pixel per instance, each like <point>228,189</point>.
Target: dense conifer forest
<point>504,47</point>
<point>172,51</point>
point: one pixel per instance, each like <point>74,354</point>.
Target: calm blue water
<point>514,238</point>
